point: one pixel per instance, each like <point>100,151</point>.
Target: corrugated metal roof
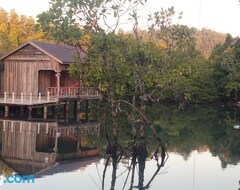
<point>64,54</point>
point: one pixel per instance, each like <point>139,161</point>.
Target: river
<point>202,145</point>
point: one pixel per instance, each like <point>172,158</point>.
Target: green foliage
<point>226,63</point>
<point>58,23</point>
<point>187,76</point>
<point>192,81</point>
<point>68,21</point>
<point>16,29</point>
<point>118,63</point>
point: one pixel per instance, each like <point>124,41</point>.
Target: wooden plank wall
<point>21,70</point>
<point>1,83</point>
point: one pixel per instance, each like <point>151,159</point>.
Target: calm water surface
<point>203,148</point>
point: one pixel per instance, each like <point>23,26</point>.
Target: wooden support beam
<point>47,104</point>
<point>77,106</point>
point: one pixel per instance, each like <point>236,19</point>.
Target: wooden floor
<point>83,97</point>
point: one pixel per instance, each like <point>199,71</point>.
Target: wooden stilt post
<point>34,112</point>
<point>21,111</point>
<point>1,111</point>
<point>78,109</point>
<point>56,111</point>
<point>6,111</point>
<point>53,110</point>
<point>42,111</point>
<point>45,112</point>
<point>75,109</point>
<point>66,110</point>
<point>87,110</point>
<point>77,105</point>
<point>29,112</point>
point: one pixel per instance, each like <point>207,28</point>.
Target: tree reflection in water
<point>137,154</point>
<point>138,158</point>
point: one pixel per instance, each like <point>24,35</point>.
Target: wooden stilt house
<point>35,66</point>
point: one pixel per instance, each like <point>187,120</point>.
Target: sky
<point>218,15</point>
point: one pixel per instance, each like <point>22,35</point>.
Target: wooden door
<point>46,78</point>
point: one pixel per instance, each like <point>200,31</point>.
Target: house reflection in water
<point>28,147</point>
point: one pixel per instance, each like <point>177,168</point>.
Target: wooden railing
<point>24,99</point>
<point>73,91</point>
<point>53,94</point>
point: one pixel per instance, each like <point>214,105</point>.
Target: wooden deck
<point>54,95</point>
